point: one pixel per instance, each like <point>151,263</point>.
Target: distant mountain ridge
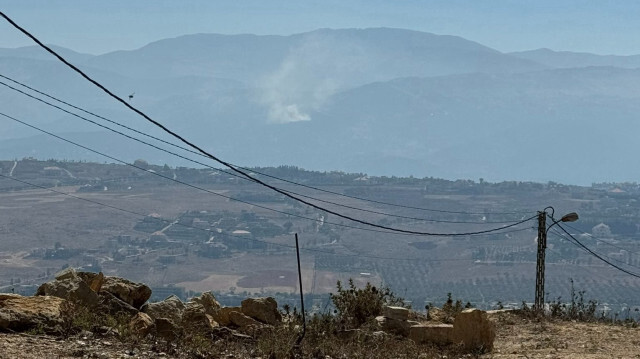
<point>37,53</point>
<point>568,59</point>
<point>379,53</point>
<point>383,101</point>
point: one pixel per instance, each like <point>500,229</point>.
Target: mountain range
<point>380,101</point>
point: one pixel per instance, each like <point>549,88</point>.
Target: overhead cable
<point>215,158</point>
<point>220,170</point>
<point>244,168</point>
<point>260,206</point>
<point>597,255</point>
<point>243,238</point>
<point>562,236</point>
<point>601,240</point>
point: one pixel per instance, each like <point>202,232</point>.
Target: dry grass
<point>521,337</point>
<point>517,337</point>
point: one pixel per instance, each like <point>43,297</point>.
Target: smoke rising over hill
<point>383,101</point>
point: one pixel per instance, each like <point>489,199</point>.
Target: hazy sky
<point>98,26</point>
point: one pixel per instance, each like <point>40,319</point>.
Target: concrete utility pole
<point>542,246</point>
<point>538,306</point>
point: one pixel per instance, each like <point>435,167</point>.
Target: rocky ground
<point>517,337</point>
<point>89,315</point>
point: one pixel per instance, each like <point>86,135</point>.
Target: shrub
<point>576,309</point>
<point>355,306</point>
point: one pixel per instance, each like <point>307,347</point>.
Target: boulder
<point>395,326</point>
<point>114,305</point>
<point>222,316</point>
<point>171,308</point>
<point>398,313</point>
<point>431,333</point>
<point>71,288</point>
<point>208,301</point>
<point>20,313</point>
<point>97,282</point>
<point>87,277</point>
<point>474,330</point>
<point>262,309</point>
<point>194,319</point>
<point>243,321</point>
<point>67,273</point>
<point>141,324</point>
<point>438,315</point>
<point>135,294</point>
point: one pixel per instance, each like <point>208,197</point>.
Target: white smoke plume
<point>311,73</point>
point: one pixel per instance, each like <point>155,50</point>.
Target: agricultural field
<point>213,231</point>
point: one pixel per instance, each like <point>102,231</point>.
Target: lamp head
<point>569,217</point>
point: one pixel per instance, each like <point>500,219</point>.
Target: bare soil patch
<point>269,278</point>
<point>518,337</point>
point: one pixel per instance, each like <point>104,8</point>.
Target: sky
<point>98,26</point>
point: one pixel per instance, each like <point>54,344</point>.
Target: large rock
<point>135,294</point>
<point>240,320</point>
<point>114,305</point>
<point>208,301</point>
<point>20,313</point>
<point>94,280</point>
<point>395,326</point>
<point>262,309</point>
<point>171,308</point>
<point>72,288</point>
<point>431,333</point>
<point>87,277</point>
<point>97,282</point>
<point>222,316</point>
<point>438,315</point>
<point>398,313</point>
<point>246,324</point>
<point>67,273</point>
<point>474,330</point>
<point>195,320</point>
<point>141,324</point>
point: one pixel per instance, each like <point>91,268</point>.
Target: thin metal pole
<point>542,246</point>
<point>304,319</point>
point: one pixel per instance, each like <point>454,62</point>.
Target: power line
<point>601,240</point>
<point>188,184</point>
<point>560,235</point>
<point>597,255</point>
<point>138,214</point>
<point>219,170</point>
<point>259,206</point>
<point>387,203</point>
<point>256,205</point>
<point>252,170</point>
<point>215,158</point>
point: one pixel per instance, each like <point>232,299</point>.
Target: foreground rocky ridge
<point>59,306</point>
<point>89,315</point>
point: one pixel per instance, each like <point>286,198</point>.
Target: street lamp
<point>542,246</point>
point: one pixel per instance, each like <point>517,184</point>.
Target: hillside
<point>233,237</point>
<point>363,55</point>
<point>568,59</point>
<point>381,101</point>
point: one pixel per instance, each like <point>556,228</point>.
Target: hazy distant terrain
<point>231,236</point>
<point>382,101</point>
